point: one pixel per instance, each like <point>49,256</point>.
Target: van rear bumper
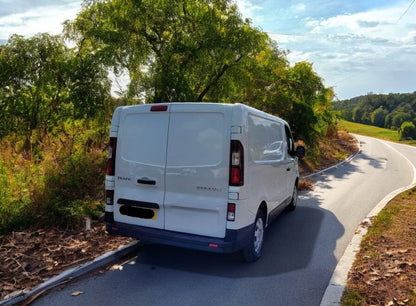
<point>234,240</point>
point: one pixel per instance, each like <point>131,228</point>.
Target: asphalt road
<point>301,249</point>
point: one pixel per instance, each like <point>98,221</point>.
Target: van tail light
<point>236,164</point>
<point>231,212</point>
<point>109,197</point>
<point>111,162</point>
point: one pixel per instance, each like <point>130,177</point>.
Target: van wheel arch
<point>293,202</point>
<point>263,209</point>
<point>252,252</point>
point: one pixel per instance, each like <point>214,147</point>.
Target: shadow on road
<point>346,169</point>
<point>290,244</point>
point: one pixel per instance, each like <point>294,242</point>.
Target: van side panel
<point>197,171</point>
<point>266,170</point>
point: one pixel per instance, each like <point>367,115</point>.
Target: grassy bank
<point>373,131</point>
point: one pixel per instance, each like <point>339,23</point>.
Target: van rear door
<point>197,169</point>
<point>140,166</point>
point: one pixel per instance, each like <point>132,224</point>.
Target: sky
<point>355,46</point>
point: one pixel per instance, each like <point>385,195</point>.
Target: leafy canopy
<point>191,50</point>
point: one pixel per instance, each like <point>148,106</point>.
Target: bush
<point>408,130</point>
<point>60,184</point>
<point>76,187</point>
<point>15,212</point>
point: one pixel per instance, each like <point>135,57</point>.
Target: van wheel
<point>293,203</point>
<point>253,251</point>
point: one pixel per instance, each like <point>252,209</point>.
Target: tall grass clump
<point>59,182</point>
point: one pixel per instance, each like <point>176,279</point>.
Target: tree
<point>43,82</point>
<point>299,96</point>
<point>408,130</point>
<point>378,117</point>
<point>357,114</point>
<point>32,81</point>
<point>399,118</point>
<point>172,50</point>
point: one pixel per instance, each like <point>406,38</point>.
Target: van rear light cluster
<point>109,197</point>
<point>231,212</point>
<point>111,162</point>
<point>236,164</point>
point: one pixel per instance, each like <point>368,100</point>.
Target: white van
<point>206,176</point>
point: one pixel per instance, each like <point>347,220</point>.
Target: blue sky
<point>356,46</point>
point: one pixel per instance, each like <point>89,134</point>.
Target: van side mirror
<point>300,151</point>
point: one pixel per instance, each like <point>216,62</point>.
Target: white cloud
<point>32,20</point>
<point>248,9</point>
<point>356,53</point>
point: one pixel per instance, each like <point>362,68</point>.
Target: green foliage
<point>75,188</point>
<point>299,96</point>
<point>172,50</point>
<point>387,111</point>
<point>43,82</point>
<point>378,117</point>
<point>15,205</point>
<point>408,130</point>
<point>60,187</point>
<point>351,298</point>
<point>202,51</point>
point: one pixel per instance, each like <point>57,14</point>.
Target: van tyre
<point>253,251</point>
<point>293,203</point>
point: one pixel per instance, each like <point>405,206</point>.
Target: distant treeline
<point>392,111</point>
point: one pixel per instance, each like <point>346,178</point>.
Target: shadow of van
<point>290,243</point>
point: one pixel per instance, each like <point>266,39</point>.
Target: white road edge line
<point>335,288</point>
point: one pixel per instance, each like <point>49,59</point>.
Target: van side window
<point>266,139</point>
<point>289,141</point>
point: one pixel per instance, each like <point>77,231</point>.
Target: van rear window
<point>195,139</point>
<point>144,138</point>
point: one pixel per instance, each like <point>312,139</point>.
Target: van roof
<point>231,105</point>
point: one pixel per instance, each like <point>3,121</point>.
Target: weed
<point>351,298</point>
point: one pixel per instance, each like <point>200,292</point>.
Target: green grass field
<point>373,131</point>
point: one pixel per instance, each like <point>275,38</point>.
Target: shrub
<point>408,130</point>
<point>75,188</point>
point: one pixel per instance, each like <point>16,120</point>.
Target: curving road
<point>300,254</point>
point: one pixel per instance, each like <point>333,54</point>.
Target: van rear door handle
<point>146,181</point>
<point>288,169</point>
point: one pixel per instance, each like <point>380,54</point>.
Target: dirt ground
<point>31,257</point>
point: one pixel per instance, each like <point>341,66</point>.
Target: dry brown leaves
<point>387,278</point>
<point>384,272</point>
<point>29,258</point>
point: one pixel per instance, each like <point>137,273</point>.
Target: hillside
<point>392,111</point>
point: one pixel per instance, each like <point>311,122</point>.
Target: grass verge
<point>384,271</point>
